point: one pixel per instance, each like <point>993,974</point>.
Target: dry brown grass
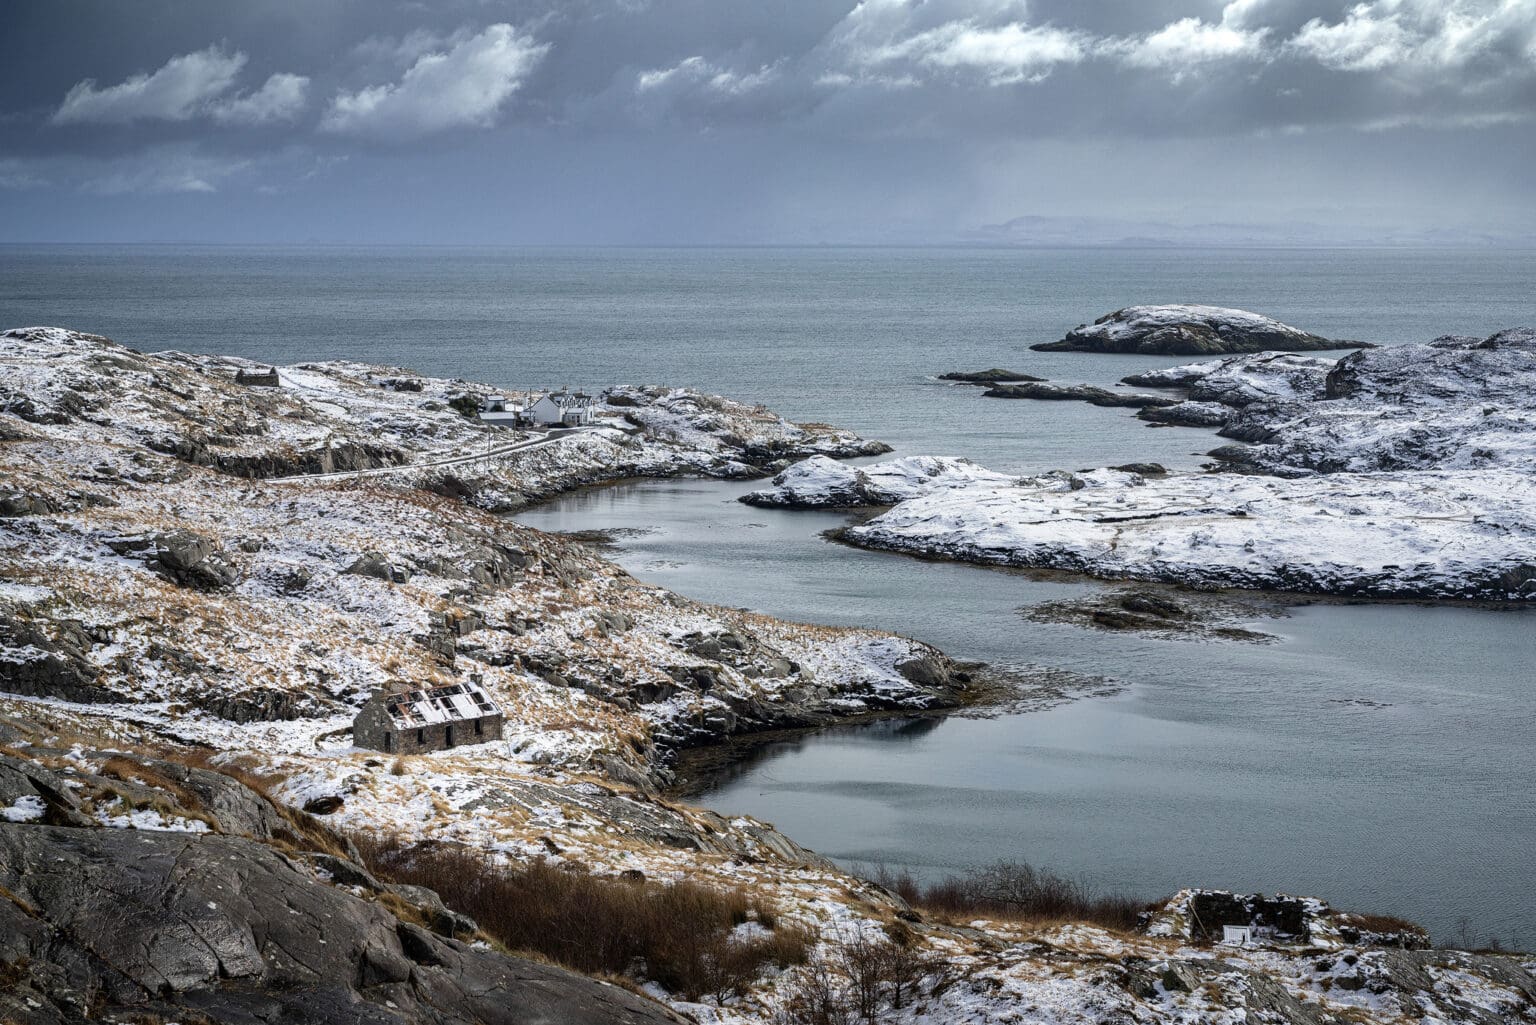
<point>678,935</point>
<point>304,832</point>
<point>1014,891</point>
<point>130,771</point>
<point>1382,923</point>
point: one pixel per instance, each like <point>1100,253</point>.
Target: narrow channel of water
<point>1376,755</point>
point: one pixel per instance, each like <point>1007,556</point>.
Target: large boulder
<point>1187,329</point>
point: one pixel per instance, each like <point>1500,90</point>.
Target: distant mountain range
<point>1035,229</point>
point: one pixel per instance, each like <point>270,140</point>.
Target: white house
<point>561,409</point>
<point>493,404</point>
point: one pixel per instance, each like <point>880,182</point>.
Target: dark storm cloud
<point>280,98</point>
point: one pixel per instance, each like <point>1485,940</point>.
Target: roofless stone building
<point>419,721</point>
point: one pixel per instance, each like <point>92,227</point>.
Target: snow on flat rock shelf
<point>1422,535</point>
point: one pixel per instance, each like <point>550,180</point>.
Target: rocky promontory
<point>1186,329</point>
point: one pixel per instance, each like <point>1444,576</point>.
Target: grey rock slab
<point>232,929</point>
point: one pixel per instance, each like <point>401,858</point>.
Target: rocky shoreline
<point>184,641</point>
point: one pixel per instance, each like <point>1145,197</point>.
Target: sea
<point>1381,756</point>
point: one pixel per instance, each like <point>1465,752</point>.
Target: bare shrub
<point>682,936</point>
<point>856,979</point>
<point>1016,891</point>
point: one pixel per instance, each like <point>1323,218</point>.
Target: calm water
<point>1379,756</point>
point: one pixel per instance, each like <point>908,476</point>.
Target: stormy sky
<point>786,121</point>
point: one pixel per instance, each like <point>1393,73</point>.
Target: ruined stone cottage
<point>259,378</point>
<point>418,721</point>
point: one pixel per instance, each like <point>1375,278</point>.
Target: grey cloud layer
<point>1378,60</point>
<point>827,114</point>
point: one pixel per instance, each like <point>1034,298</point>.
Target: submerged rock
<point>1162,613</point>
<point>1185,329</point>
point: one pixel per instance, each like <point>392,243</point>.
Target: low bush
<point>685,937</point>
<point>1014,891</point>
<point>856,979</point>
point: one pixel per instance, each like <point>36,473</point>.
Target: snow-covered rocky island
<point>208,568</point>
<point>1189,329</point>
<point>1401,472</point>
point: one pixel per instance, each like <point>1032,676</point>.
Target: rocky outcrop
<point>1188,330</point>
<point>1242,380</point>
<point>821,483</point>
<point>1077,393</point>
<point>342,417</point>
<point>1454,403</point>
<point>996,375</point>
<point>51,662</point>
<point>101,923</point>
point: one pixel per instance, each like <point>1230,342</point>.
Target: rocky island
<point>203,579</point>
<point>1187,329</point>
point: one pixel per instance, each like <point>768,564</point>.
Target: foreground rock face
<point>1188,330</point>
<point>99,923</point>
<point>241,919</point>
